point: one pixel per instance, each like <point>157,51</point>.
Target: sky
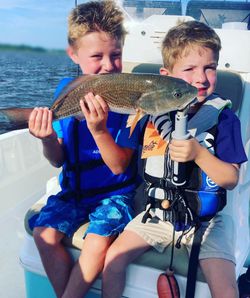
<point>36,23</point>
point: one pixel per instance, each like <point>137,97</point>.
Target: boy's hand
<point>184,150</point>
<point>40,124</point>
<point>95,111</point>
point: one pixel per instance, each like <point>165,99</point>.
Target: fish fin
<point>132,121</point>
<point>17,117</point>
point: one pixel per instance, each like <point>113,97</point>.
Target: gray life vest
<point>156,174</point>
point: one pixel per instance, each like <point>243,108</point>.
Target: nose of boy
<point>108,65</point>
<point>201,77</point>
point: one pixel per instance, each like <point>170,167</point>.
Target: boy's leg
<point>126,248</point>
<point>220,276</point>
<point>134,241</point>
<point>217,256</point>
<point>56,260</point>
<point>88,266</point>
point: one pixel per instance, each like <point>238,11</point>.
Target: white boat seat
<point>151,258</point>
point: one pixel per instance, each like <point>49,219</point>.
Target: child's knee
<point>44,237</point>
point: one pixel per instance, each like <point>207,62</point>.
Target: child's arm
<point>222,173</point>
<point>96,114</point>
<point>40,126</point>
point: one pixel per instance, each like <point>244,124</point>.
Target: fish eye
<point>177,94</point>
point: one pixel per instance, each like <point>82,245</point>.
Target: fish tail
<point>17,117</point>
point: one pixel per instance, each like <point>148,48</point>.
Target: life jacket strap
<point>81,194</point>
<point>157,182</point>
<point>193,263</point>
<point>85,166</point>
<point>191,200</point>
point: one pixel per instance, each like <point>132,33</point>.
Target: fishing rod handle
<point>180,133</point>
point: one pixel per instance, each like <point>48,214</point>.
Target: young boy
<point>213,155</point>
<point>98,178</point>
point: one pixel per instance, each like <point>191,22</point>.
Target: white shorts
<point>217,241</point>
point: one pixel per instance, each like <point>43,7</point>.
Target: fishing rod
<point>180,133</point>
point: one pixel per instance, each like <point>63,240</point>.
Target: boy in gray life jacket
<point>212,154</point>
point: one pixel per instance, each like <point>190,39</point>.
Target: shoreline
<point>27,48</point>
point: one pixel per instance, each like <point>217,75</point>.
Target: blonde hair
<point>185,35</point>
<point>96,16</point>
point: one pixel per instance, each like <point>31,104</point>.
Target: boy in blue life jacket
<point>97,156</point>
<point>212,156</point>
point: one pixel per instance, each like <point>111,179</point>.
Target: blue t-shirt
<point>228,141</point>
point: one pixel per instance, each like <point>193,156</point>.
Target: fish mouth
<point>186,106</point>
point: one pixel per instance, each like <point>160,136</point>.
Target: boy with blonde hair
<point>212,155</point>
<point>99,173</point>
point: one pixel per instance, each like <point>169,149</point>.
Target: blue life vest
<point>85,175</point>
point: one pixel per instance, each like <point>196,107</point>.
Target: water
<point>29,79</point>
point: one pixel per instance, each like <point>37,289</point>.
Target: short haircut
<point>96,16</point>
<point>184,36</point>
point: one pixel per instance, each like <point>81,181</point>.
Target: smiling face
<point>97,52</point>
<point>197,66</point>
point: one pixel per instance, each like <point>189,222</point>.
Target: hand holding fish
<point>40,124</point>
<point>95,111</point>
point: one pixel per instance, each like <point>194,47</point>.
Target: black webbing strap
<point>193,264</point>
<point>81,194</point>
<point>85,166</point>
<point>76,152</point>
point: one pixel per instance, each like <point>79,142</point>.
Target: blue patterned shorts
<point>107,217</point>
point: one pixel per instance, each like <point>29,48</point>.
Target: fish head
<point>177,95</point>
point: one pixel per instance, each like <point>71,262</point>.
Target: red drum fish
<point>125,93</point>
